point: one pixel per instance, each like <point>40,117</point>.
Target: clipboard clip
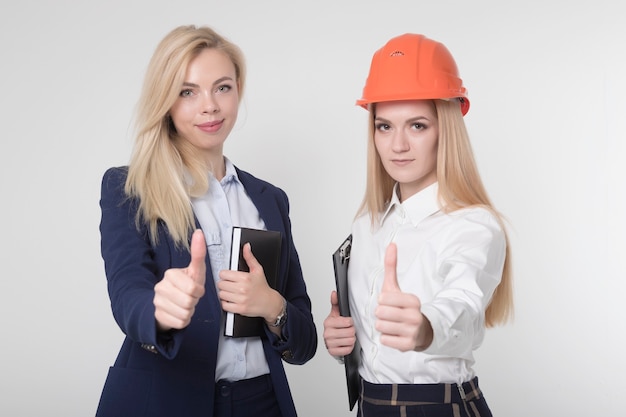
<point>344,251</point>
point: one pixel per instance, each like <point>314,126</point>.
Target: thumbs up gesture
<point>399,318</point>
<point>176,295</point>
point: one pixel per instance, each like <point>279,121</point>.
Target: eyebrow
<point>218,81</point>
<point>412,119</point>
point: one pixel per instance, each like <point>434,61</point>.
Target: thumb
<point>197,265</point>
<point>334,304</point>
<point>248,256</point>
<point>390,282</point>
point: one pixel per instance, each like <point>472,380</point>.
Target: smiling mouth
<point>210,126</point>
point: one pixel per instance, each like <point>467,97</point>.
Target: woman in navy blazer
<point>166,294</point>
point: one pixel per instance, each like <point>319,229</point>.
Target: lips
<point>211,127</point>
<point>401,162</point>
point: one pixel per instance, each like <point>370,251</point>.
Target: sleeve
<point>469,266</point>
<point>298,343</point>
<point>130,267</point>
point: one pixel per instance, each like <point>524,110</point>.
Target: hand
<point>339,332</point>
<point>399,317</point>
<point>248,293</point>
<point>176,295</point>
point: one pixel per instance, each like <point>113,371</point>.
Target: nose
<point>399,142</point>
<point>210,104</point>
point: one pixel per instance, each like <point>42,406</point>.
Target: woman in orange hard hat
<point>429,266</point>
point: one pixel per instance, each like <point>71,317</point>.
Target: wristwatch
<point>282,316</point>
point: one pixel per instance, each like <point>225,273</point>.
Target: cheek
<point>175,113</point>
<point>378,145</point>
<point>180,115</point>
<point>433,148</point>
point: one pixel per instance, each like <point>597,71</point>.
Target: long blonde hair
<point>160,159</point>
<point>459,184</point>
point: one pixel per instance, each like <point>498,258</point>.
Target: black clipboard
<point>341,257</point>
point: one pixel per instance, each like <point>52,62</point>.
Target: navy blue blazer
<point>173,374</point>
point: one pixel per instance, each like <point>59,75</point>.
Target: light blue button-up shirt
<point>226,204</point>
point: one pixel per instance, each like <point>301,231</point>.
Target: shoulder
<point>475,225</point>
<point>246,177</point>
<point>478,215</point>
<point>362,221</point>
<point>255,184</point>
<point>363,229</point>
<point>113,185</point>
<point>114,177</point>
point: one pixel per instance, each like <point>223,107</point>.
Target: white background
<point>547,85</point>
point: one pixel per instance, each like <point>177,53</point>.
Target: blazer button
<point>287,355</point>
<point>150,348</point>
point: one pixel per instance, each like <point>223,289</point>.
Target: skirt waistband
<point>419,394</point>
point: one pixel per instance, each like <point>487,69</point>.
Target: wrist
<point>426,337</point>
<point>279,319</point>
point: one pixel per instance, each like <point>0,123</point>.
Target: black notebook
<point>265,246</point>
<point>351,361</point>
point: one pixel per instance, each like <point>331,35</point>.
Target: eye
<point>418,126</point>
<point>383,127</point>
<point>224,88</point>
<point>186,93</point>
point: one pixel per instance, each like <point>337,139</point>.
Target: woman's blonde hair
<point>161,160</point>
<point>459,185</point>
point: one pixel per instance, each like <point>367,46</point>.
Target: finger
<point>179,289</point>
<point>390,282</point>
<point>340,347</point>
<point>197,265</point>
<point>172,307</point>
<point>171,315</point>
<point>339,335</point>
<point>339,326</point>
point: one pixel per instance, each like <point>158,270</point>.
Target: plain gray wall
<point>547,89</point>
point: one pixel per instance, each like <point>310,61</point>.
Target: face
<point>406,137</point>
<point>206,109</point>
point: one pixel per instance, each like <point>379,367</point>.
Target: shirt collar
<point>417,207</point>
<point>231,173</point>
<point>229,177</point>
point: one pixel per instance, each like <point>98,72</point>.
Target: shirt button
<point>225,390</point>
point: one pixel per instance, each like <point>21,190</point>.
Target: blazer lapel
<point>264,202</point>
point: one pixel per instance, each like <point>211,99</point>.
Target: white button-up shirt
<point>451,262</point>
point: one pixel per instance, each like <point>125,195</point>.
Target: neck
<point>215,164</point>
<point>218,168</point>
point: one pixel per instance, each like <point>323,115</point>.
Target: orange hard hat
<point>413,67</point>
